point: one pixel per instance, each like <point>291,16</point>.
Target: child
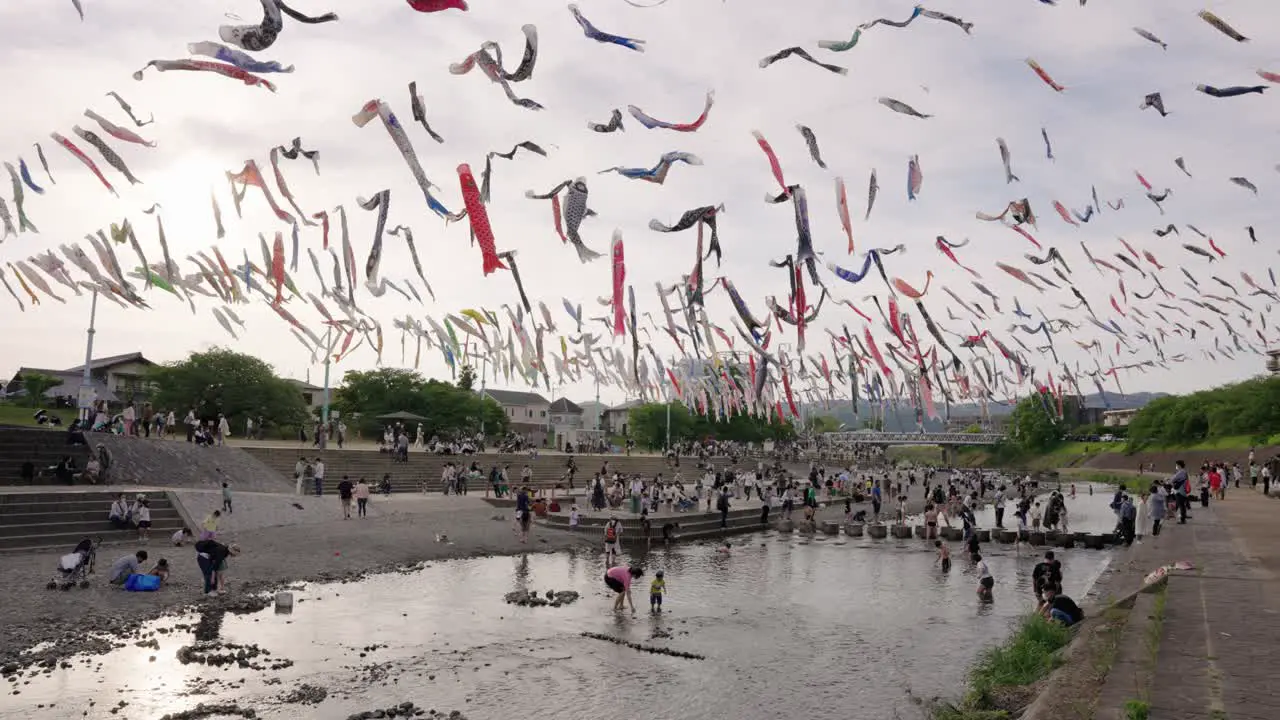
<point>985,581</point>
<point>656,589</point>
<point>944,555</point>
<point>1036,514</point>
<point>724,549</point>
<point>181,537</point>
<point>226,498</point>
<point>161,570</point>
<point>612,533</point>
<point>210,526</point>
<point>848,510</point>
<point>143,517</point>
<point>574,517</point>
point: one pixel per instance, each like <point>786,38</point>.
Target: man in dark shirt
<point>344,495</point>
<point>1060,608</point>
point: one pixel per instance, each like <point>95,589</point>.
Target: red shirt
<point>1215,480</point>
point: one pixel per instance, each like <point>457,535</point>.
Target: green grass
<point>20,414</point>
<point>916,454</point>
<point>1227,442</point>
<point>1136,709</point>
<point>1027,657</point>
<point>1133,484</point>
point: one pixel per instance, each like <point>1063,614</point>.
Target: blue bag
<point>142,583</point>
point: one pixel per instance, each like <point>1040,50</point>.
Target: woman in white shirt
<point>985,581</point>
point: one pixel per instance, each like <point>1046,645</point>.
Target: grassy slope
<point>11,414</point>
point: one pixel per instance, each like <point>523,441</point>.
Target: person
<point>669,532</point>
<point>656,590</point>
<point>1128,520</point>
<point>999,504</point>
<point>1143,517</point>
<point>210,526</point>
<point>1156,507</point>
<point>211,556</point>
<point>344,496</point>
<point>646,527</point>
<point>142,518</point>
<point>1046,574</point>
<point>125,566</point>
<point>119,514</point>
<point>612,536</point>
<point>1181,490</point>
<point>160,570</point>
<point>575,517</point>
<point>1060,608</point>
<point>384,485</point>
<point>317,471</point>
<point>944,555</point>
<point>985,582</point>
<point>362,498</point>
<point>226,497</point>
<point>725,549</point>
<point>975,550</point>
<point>180,537</point>
<point>524,513</point>
<point>722,504</point>
<point>618,579</point>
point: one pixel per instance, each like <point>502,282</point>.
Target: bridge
<point>872,437</point>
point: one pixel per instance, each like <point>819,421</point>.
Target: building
<point>617,420</point>
<point>118,379</point>
<point>312,395</point>
<point>592,412</point>
<point>568,424</point>
<point>1118,418</point>
<point>527,413</point>
<point>961,423</point>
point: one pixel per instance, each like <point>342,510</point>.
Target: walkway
<point>1222,622</point>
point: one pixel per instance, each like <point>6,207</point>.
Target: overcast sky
<point>976,86</point>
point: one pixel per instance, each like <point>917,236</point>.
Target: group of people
<point>124,515</point>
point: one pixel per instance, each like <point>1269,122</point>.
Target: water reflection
<point>788,628</point>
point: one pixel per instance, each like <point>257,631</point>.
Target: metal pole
<point>485,360</point>
<point>324,412</point>
<point>86,379</point>
<point>668,423</point>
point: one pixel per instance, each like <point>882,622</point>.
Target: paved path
<point>1217,656</point>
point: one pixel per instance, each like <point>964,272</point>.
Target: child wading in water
<point>944,555</point>
<point>656,590</point>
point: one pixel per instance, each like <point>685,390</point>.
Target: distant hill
<point>904,419</point>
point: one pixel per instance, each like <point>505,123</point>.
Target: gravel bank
<point>312,547</point>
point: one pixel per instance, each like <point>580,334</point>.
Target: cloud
<point>977,86</point>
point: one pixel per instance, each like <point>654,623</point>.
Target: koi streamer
<point>945,247</point>
<point>658,173</point>
<point>902,108</point>
<point>230,71</point>
<point>252,176</point>
<point>575,211</point>
<point>811,141</point>
<point>614,124</point>
<point>1221,26</point>
<point>600,36</point>
<point>774,166</point>
<point>479,218</point>
<point>619,279</point>
<point>377,108</point>
<point>128,110</point>
<point>492,69</point>
<point>164,243</point>
<point>79,155</point>
<point>842,207</point>
<point>116,131</point>
<point>651,122</point>
<point>106,152</point>
<point>231,56</point>
<point>1044,75</point>
<point>419,111</point>
<point>803,55</point>
<point>274,158</point>
<point>527,145</point>
<point>700,216</point>
<point>24,223</point>
<point>381,202</point>
<point>263,35</point>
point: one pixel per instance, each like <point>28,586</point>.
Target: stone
<point>952,534</point>
<point>901,532</point>
<point>878,531</point>
<point>784,526</point>
<point>853,529</point>
<point>1036,538</point>
<point>921,531</point>
<point>830,528</point>
<point>1007,536</point>
<point>807,527</point>
<point>983,535</point>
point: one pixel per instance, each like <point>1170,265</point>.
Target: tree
<point>467,378</point>
<point>448,408</point>
<point>873,423</point>
<point>36,384</point>
<point>227,382</point>
<point>1032,426</point>
<point>820,424</point>
<point>648,426</point>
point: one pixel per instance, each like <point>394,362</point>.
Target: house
<point>1118,418</point>
<point>568,424</point>
<point>312,395</point>
<point>592,411</point>
<point>565,414</point>
<point>527,413</point>
<point>116,379</point>
<point>617,420</point>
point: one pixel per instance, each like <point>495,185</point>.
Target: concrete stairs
<point>423,467</point>
<point>42,447</point>
<point>59,520</point>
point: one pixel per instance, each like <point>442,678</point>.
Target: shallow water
<point>818,628</point>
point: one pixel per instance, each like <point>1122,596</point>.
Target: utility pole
<point>87,396</point>
<point>668,447</point>
<point>328,358</point>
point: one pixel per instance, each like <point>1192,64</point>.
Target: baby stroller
<point>76,566</point>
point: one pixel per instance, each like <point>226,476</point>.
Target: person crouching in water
<point>618,579</point>
<point>985,582</point>
<point>944,555</point>
<point>656,590</point>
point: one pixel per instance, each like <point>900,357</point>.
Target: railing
<point>901,438</point>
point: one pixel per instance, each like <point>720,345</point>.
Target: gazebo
<point>402,415</point>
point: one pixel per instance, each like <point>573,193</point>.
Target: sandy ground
<point>315,544</point>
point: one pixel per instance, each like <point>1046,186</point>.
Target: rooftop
<point>513,397</point>
<point>111,361</point>
<point>565,405</point>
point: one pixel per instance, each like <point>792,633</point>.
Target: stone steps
<point>48,520</point>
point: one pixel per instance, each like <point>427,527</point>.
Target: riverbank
<point>409,530</point>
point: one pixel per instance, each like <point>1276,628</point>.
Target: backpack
<point>611,532</point>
